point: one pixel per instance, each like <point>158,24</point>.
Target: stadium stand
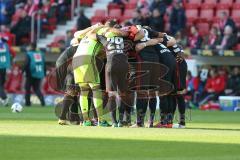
<point>204,14</point>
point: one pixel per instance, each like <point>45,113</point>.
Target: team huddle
<point>111,68</point>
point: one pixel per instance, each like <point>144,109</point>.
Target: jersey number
<point>3,59</point>
<point>115,43</point>
<point>146,36</point>
<point>38,68</point>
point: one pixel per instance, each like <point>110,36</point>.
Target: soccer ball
<point>16,108</point>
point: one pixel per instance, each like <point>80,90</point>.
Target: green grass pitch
<point>35,135</point>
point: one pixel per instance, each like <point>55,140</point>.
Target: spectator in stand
<point>226,20</point>
<point>215,86</point>
<point>157,21</point>
<point>62,45</point>
<point>137,18</point>
<point>69,38</point>
<point>195,40</point>
<point>181,38</point>
<point>121,3</point>
<point>177,18</point>
<point>143,4</point>
<point>190,84</point>
<point>233,83</point>
<point>31,7</point>
<point>6,11</point>
<point>213,38</point>
<point>22,28</point>
<point>228,41</point>
<point>160,5</point>
<point>62,9</point>
<point>83,22</point>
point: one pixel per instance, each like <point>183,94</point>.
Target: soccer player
<point>116,70</point>
<point>86,74</point>
<point>154,54</point>
<point>34,67</point>
<point>4,65</point>
<point>117,84</point>
<point>181,73</point>
<point>64,74</point>
<point>65,80</point>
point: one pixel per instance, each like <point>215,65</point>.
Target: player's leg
<point>98,103</point>
<point>85,88</point>
<point>126,97</point>
<point>111,89</point>
<point>166,102</point>
<point>68,101</point>
<point>3,96</point>
<point>27,91</point>
<point>152,107</point>
<point>181,109</point>
<point>36,87</point>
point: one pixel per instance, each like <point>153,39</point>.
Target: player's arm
<point>150,42</point>
<point>82,33</point>
<point>93,33</point>
<point>140,35</point>
<point>167,40</point>
<point>118,32</point>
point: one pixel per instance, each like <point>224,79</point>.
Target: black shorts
<point>71,88</point>
<point>116,72</point>
<point>181,73</point>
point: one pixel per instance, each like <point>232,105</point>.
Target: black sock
<point>152,107</point>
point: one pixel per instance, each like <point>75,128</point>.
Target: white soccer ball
<point>16,108</point>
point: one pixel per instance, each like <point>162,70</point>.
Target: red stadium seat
<point>210,2</point>
<point>192,15</point>
<point>223,6</point>
<point>237,21</point>
<point>191,6</point>
<point>113,6</point>
<point>95,20</point>
<point>133,1</point>
<point>130,6</point>
<point>203,28</point>
<point>86,3</point>
<point>207,14</point>
<point>100,13</point>
<point>236,5</point>
<point>194,1</point>
<point>235,13</point>
<point>226,1</point>
<point>115,13</point>
<point>208,6</point>
<point>128,13</point>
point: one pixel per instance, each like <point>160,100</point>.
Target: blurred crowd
<point>169,16</point>
<point>15,17</point>
<point>211,83</point>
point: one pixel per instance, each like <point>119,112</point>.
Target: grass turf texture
<point>35,134</point>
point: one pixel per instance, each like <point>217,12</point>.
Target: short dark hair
<point>33,46</point>
<point>111,23</point>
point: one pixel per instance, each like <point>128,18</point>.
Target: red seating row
<point>100,15</point>
<point>199,2</point>
<point>211,6</point>
<point>207,15</point>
